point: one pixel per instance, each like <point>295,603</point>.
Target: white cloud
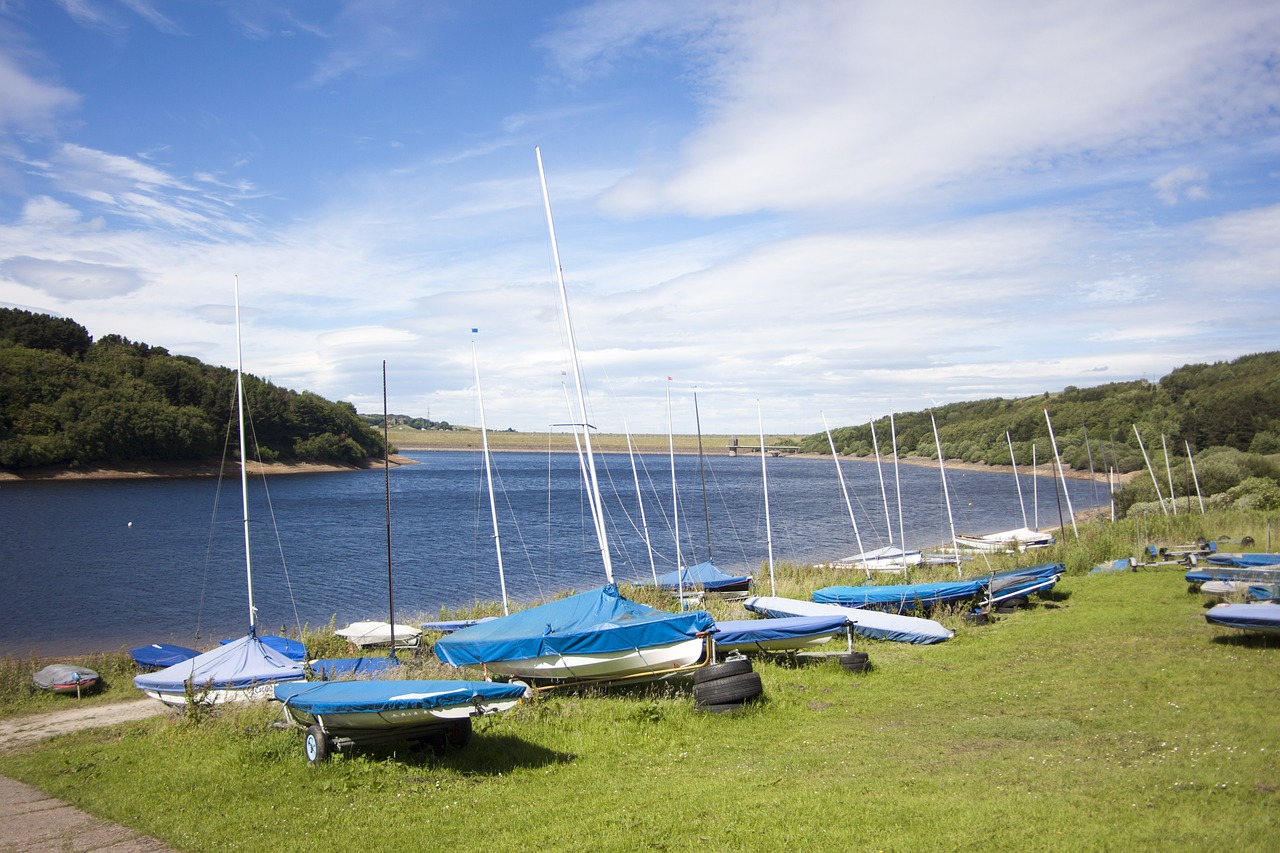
<point>28,105</point>
<point>70,280</point>
<point>1185,182</point>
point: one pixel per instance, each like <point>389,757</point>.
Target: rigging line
<point>515,523</point>
<point>724,504</point>
<point>217,497</point>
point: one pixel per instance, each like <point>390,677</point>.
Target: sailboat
<point>598,635</point>
<point>243,669</point>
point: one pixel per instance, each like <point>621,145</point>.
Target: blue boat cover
<point>292,649</point>
<point>160,655</point>
<point>1243,560</point>
<point>595,622</point>
<point>1123,564</point>
<point>354,697</point>
<point>786,628</point>
<point>900,598</point>
<point>704,575</point>
<point>235,665</point>
<point>873,624</point>
<point>1258,616</point>
<point>1264,592</point>
<point>1258,574</point>
<point>327,669</point>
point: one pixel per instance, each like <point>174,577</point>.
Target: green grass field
<point>1109,716</point>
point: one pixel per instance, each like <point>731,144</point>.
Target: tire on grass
<point>316,744</point>
<point>723,691</point>
<point>725,669</point>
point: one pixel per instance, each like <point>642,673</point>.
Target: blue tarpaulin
<point>702,576</point>
<point>596,622</point>
<point>160,655</point>
<point>327,669</point>
<point>236,665</point>
<point>348,697</point>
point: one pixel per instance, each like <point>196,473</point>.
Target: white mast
<point>1150,470</point>
<point>764,473</point>
<point>675,498</point>
<point>946,493</point>
<point>1168,469</point>
<point>597,510</point>
<point>845,491</point>
<point>1194,478</point>
<point>244,462</point>
<point>1016,482</point>
<point>1061,474</point>
<point>884,496</point>
<point>1035,485</point>
<point>897,485</point>
<point>488,473</point>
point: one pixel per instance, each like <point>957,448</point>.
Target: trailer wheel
<point>316,744</point>
<point>722,691</point>
<point>717,671</point>
<point>459,734</point>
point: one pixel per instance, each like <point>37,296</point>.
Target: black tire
<point>459,735</point>
<point>726,669</point>
<point>723,691</point>
<point>316,744</point>
<point>1014,603</point>
<point>855,662</point>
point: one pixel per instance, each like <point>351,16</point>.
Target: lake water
<point>106,564</point>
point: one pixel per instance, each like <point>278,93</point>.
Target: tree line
<point>1217,425</point>
<point>67,399</point>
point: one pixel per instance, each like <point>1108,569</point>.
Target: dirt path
<point>31,820</point>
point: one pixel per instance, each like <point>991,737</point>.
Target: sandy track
<point>19,731</point>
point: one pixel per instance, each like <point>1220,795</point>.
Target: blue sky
<point>845,207</point>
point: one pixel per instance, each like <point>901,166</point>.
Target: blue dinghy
<point>1262,617</point>
<point>160,655</point>
<point>292,649</point>
<point>341,714</point>
<point>244,669</point>
<point>594,635</point>
<point>1244,560</point>
<point>874,624</point>
<point>706,577</point>
<point>903,598</point>
<point>329,669</point>
<point>792,633</point>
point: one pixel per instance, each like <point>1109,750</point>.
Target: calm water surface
<point>108,564</point>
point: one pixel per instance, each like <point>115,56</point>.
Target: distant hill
<point>1226,413</point>
<point>66,399</point>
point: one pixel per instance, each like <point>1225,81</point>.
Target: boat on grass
<point>1018,539</point>
<point>243,669</point>
<point>598,635</point>
<point>1243,561</point>
<point>160,655</point>
<point>66,679</point>
<point>375,634</point>
<point>904,598</point>
<point>343,714</point>
<point>704,577</point>
<point>332,669</point>
<point>872,624</point>
<point>1261,617</point>
<point>787,634</point>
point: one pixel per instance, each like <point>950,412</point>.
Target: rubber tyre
<point>459,735</point>
<point>316,744</point>
<point>1016,603</point>
<point>717,671</point>
<point>855,662</point>
<point>734,688</point>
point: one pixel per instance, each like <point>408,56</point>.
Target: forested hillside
<point>1226,414</point>
<point>66,399</point>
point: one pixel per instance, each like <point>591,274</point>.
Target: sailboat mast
<point>706,514</point>
<point>597,509</point>
<point>1168,469</point>
<point>897,485</point>
<point>1150,470</point>
<point>884,495</point>
<point>1194,478</point>
<point>845,492</point>
<point>488,473</point>
<point>946,493</point>
<point>1017,484</point>
<point>675,497</point>
<point>1062,476</point>
<point>244,472</point>
<point>386,471</point>
<point>764,475</point>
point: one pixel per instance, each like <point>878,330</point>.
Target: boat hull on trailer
<point>873,624</point>
<point>789,634</point>
<point>368,706</point>
<point>632,663</point>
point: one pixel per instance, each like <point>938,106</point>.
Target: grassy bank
<point>1108,716</point>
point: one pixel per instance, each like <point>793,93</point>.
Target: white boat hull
<point>381,721</point>
<point>630,663</point>
<point>784,644</point>
<point>256,693</point>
